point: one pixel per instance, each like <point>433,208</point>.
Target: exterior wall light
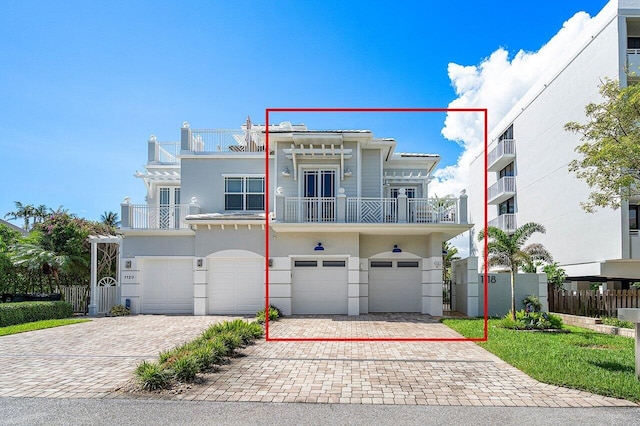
<point>285,171</point>
<point>199,263</point>
<point>319,247</point>
<point>127,264</point>
<point>396,249</point>
<point>270,262</point>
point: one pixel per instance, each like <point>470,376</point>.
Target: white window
<point>244,193</point>
<point>409,192</point>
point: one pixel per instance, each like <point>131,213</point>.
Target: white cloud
<point>497,84</point>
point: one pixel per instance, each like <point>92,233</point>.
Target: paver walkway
<point>91,359</point>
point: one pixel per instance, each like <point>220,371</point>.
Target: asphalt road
<point>43,411</point>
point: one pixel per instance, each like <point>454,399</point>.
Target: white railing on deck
<point>222,140</point>
<point>168,152</point>
<point>144,216</point>
<point>504,147</point>
<point>310,209</point>
<point>371,210</point>
<point>505,184</point>
<point>506,222</point>
<point>433,210</point>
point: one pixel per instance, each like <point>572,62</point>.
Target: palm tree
<point>24,212</point>
<point>449,254</point>
<point>40,213</point>
<point>110,219</point>
<point>507,250</point>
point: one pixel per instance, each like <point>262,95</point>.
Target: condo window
<point>244,193</point>
<point>633,217</point>
<point>508,134</point>
<point>507,171</point>
<point>507,207</point>
<point>409,192</point>
<point>633,42</point>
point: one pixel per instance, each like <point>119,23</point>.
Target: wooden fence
<point>592,303</point>
<point>78,296</point>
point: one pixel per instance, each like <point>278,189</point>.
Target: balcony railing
<point>506,222</point>
<point>370,210</point>
<point>502,190</point>
<point>143,216</point>
<point>223,140</point>
<point>310,209</point>
<point>500,156</point>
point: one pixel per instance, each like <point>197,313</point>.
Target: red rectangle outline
<point>485,336</point>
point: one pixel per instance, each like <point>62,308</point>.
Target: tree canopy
<point>610,149</point>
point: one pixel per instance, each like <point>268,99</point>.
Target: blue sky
<point>83,84</point>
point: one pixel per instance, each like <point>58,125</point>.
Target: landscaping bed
<point>580,359</point>
<point>24,312</point>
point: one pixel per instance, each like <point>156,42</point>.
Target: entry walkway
<point>92,359</point>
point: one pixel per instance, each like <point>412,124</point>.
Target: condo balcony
<point>633,64</point>
<point>500,156</point>
<point>505,222</point>
<point>502,190</point>
<point>144,216</point>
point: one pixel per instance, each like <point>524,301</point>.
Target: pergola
<point>95,240</point>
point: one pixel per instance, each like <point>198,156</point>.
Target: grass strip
<point>581,359</point>
<point>38,325</point>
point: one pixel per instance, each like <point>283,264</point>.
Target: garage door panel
<point>167,286</point>
<point>236,286</point>
<point>319,290</point>
<point>393,289</point>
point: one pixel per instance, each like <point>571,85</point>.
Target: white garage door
<point>167,286</point>
<point>319,287</point>
<point>236,285</point>
<point>395,286</point>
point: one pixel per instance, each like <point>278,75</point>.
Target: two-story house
<point>350,228</point>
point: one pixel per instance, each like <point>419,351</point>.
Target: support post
<point>93,304</point>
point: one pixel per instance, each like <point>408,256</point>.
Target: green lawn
<point>582,359</point>
<point>38,325</point>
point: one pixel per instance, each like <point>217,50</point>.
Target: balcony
<point>502,190</point>
<point>633,64</point>
<point>500,156</point>
<point>344,209</point>
<point>634,243</point>
<point>505,222</point>
<point>143,216</point>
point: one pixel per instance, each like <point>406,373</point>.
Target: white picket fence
<point>78,296</point>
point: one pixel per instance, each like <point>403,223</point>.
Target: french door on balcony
<point>319,195</point>
<point>169,209</point>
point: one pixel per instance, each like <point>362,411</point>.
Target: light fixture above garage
<point>285,171</point>
<point>319,247</point>
<point>396,249</point>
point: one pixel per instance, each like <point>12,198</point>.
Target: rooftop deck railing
<point>143,216</point>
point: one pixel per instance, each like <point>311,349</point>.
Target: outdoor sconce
<point>347,172</point>
<point>199,263</point>
<point>319,247</point>
<point>396,249</point>
<point>127,264</point>
<point>285,171</point>
<point>270,263</point>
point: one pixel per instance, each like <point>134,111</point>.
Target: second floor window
<point>244,193</point>
<point>634,221</point>
<point>507,171</point>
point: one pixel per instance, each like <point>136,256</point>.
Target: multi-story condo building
<point>351,228</point>
<point>529,153</point>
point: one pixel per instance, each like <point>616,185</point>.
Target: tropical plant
<point>110,219</point>
<point>508,251</point>
<point>449,254</point>
<point>610,152</point>
<point>555,274</point>
<point>23,211</point>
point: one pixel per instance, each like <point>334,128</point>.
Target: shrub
<point>23,312</point>
<point>531,321</point>
<point>248,332</point>
<point>230,341</point>
<point>185,368</point>
<point>615,322</point>
<point>274,314</point>
<point>532,304</point>
<point>152,375</point>
<point>119,311</point>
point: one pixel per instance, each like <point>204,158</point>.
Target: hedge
<point>22,312</point>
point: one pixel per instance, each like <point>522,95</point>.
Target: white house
<point>350,225</point>
<point>529,153</point>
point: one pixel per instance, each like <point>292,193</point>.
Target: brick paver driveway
<point>91,359</point>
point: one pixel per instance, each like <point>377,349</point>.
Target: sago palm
<point>508,251</point>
